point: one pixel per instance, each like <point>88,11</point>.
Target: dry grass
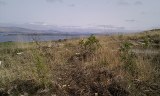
<point>51,66</point>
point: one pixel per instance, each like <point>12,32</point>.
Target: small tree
<point>128,58</point>
<point>146,41</point>
<point>89,46</point>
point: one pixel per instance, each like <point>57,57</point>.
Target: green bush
<point>128,58</point>
<point>41,67</point>
<point>90,45</point>
<point>126,46</point>
<point>146,41</point>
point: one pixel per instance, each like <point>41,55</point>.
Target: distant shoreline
<point>36,37</point>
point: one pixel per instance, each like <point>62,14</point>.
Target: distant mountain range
<point>25,31</point>
<point>53,29</point>
<point>16,29</point>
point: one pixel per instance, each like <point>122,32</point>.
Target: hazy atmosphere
<point>124,14</point>
<point>79,47</point>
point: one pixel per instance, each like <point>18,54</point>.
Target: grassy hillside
<point>118,65</point>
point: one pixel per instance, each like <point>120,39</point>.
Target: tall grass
<point>102,65</point>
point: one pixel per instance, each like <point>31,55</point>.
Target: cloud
<point>106,26</point>
<point>126,3</point>
<point>130,20</point>
<point>123,3</point>
<point>71,5</point>
<point>110,27</point>
<point>138,3</point>
<point>54,1</point>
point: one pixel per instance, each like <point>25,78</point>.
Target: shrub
<point>126,46</point>
<point>90,45</point>
<point>146,41</point>
<point>128,58</point>
<point>41,67</point>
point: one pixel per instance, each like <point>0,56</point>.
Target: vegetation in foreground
<point>121,65</point>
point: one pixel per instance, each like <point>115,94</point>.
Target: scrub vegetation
<point>117,65</point>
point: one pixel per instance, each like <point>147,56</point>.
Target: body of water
<point>30,38</point>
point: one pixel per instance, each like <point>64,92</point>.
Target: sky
<point>127,14</point>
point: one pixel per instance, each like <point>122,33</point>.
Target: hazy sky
<point>131,14</point>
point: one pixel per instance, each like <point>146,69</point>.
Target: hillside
<point>56,31</point>
<point>117,65</point>
<point>15,29</point>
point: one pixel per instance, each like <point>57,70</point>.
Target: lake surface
<point>30,38</point>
